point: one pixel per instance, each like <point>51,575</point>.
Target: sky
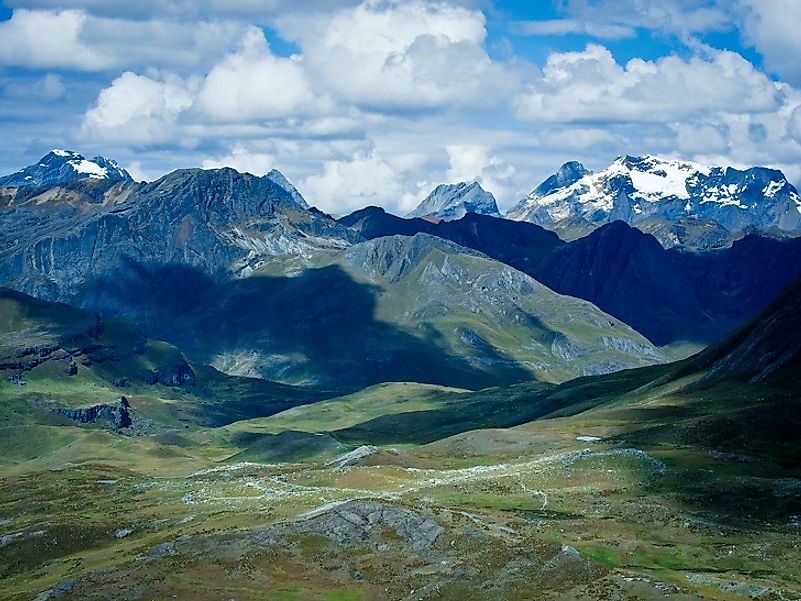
<point>375,102</point>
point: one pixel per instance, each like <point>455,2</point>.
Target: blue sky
<point>377,101</point>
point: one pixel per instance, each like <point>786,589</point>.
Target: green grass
<point>342,412</point>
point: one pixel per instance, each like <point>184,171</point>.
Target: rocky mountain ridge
<point>682,203</point>
<point>668,295</point>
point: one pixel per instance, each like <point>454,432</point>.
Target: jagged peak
<point>275,176</point>
<point>453,201</point>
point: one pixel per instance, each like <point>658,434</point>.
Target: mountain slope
<point>57,359</point>
<point>735,400</point>
<point>682,203</point>
<point>277,177</point>
<point>56,240</point>
<point>489,313</point>
<point>454,201</point>
<point>60,166</point>
<point>666,295</point>
<point>393,309</point>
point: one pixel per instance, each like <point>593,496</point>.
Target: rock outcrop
<point>358,521</point>
<point>117,414</point>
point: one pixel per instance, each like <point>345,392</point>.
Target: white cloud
<point>185,10</point>
<point>692,139</point>
<point>394,56</point>
<point>73,39</point>
<point>548,27</point>
<point>363,179</point>
<point>137,109</point>
<point>253,84</point>
<point>677,17</point>
<point>244,160</point>
<point>771,26</point>
<point>590,86</point>
<point>48,40</point>
<point>477,163</point>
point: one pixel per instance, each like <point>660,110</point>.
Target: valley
<point>210,390</point>
<point>626,485</point>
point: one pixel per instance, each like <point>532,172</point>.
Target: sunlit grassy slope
<point>672,482</point>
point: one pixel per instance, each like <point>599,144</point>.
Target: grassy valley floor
<point>587,506</point>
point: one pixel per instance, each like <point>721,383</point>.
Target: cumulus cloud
<point>365,178</point>
<point>771,26</point>
<point>395,56</point>
<point>138,109</point>
<point>73,39</point>
<point>477,163</point>
<point>242,159</point>
<point>47,39</point>
<point>253,84</point>
<point>590,86</point>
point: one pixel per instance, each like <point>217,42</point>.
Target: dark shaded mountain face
<point>666,295</point>
<point>55,239</point>
<point>518,244</point>
<point>59,166</point>
<point>58,343</point>
<point>768,349</point>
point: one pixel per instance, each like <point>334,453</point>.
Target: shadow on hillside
<point>317,328</point>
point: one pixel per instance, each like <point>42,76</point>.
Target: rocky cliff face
<point>56,241</point>
<point>117,415</point>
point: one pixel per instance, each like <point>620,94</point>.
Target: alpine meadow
<point>388,300</point>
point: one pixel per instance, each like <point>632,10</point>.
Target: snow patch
<point>588,438</point>
<point>93,170</point>
<point>773,187</point>
<point>62,153</point>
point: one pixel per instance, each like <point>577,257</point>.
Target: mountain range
<point>234,270</point>
<point>668,295</point>
<point>209,388</point>
<point>681,203</point>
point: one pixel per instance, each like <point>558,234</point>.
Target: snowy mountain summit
<point>59,166</point>
<point>680,202</point>
<point>453,201</point>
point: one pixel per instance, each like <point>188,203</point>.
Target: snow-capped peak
<point>454,201</point>
<point>59,166</point>
<point>649,188</point>
<point>62,153</point>
<point>655,178</point>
